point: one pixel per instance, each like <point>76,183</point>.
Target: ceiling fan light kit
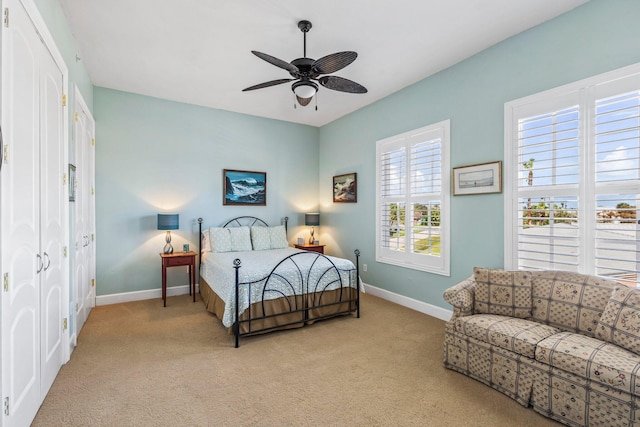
<point>306,72</point>
<point>304,89</point>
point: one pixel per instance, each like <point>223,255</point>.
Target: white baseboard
<point>414,304</point>
<point>142,295</point>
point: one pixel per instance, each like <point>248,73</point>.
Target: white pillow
<point>260,238</point>
<point>278,237</point>
<point>240,239</point>
<point>220,239</point>
<point>206,241</point>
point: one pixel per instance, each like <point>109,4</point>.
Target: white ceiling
<point>199,51</point>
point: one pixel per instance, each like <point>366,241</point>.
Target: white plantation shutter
<point>548,176</point>
<point>617,233</point>
<point>574,178</point>
<point>412,210</point>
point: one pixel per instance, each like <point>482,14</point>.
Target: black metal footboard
<point>309,287</point>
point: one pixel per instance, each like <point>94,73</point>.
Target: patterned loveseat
<point>566,344</point>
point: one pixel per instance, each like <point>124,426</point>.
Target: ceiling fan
<point>306,72</point>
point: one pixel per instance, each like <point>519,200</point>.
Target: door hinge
<point>93,282</point>
<point>93,142</point>
<point>92,237</point>
<point>6,17</point>
<point>64,324</point>
<point>92,191</point>
<point>64,251</point>
<point>64,179</point>
<point>75,116</point>
<point>6,154</point>
<point>64,99</point>
<point>6,405</point>
<point>6,282</point>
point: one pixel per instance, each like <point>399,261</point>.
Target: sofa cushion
<point>510,333</point>
<point>507,293</point>
<point>570,301</point>
<point>593,359</point>
<point>620,321</point>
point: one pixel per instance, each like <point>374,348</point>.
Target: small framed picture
<point>478,179</point>
<point>300,241</point>
<point>72,183</point>
<point>345,188</point>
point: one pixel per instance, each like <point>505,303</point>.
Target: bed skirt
<point>279,309</point>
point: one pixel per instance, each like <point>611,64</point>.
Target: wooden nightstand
<point>312,248</point>
<point>179,259</point>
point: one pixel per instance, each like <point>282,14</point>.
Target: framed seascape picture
<point>244,188</point>
<point>345,188</point>
<point>477,179</point>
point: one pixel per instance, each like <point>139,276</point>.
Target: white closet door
<point>91,210</point>
<point>84,243</point>
<point>81,274</point>
<point>52,213</point>
<point>20,218</point>
<point>34,218</point>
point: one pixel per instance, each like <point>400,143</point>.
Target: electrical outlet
<point>364,267</point>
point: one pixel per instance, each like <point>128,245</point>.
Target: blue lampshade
<point>311,219</point>
<point>168,221</point>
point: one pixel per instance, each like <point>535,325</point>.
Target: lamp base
<point>311,237</point>
<point>168,249</point>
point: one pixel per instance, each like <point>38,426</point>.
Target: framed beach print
<point>345,188</point>
<point>244,188</point>
<point>477,179</point>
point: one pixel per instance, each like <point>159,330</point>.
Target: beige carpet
<point>139,364</point>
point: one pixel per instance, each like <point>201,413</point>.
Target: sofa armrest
<point>461,297</point>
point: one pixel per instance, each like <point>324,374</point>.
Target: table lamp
<point>312,219</point>
<point>168,222</point>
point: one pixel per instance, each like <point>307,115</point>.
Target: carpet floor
<point>139,364</point>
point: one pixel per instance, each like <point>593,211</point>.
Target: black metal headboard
<point>239,221</point>
<point>248,221</point>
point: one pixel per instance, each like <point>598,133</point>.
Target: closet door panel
<point>84,243</point>
<point>20,217</point>
<point>81,240</point>
<point>52,213</point>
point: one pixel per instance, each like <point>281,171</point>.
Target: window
<point>412,204</point>
<point>573,178</point>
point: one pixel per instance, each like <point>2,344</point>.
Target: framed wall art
<point>244,188</point>
<point>345,188</point>
<point>477,179</point>
<point>72,183</point>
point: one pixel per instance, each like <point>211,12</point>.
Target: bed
<point>255,283</point>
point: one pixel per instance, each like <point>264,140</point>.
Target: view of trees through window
<point>426,239</point>
<point>578,191</point>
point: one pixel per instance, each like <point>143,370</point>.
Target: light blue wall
<point>154,155</point>
<point>597,37</point>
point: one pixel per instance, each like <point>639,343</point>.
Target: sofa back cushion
<point>569,301</point>
<point>620,321</point>
<point>507,293</point>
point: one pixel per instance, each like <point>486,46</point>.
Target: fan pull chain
<point>316,101</point>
